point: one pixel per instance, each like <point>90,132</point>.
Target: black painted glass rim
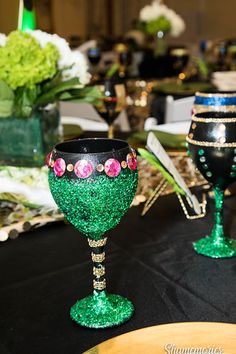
<point>111,150</point>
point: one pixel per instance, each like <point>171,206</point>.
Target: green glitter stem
<point>217,245</point>
<point>217,233</point>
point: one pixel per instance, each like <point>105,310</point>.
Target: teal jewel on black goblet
<point>212,146</point>
<point>93,182</point>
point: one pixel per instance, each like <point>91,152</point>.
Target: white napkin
<point>29,183</point>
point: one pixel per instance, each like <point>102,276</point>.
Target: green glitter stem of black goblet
<point>217,245</point>
<point>101,309</point>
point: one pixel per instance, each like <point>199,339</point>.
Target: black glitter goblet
<point>93,182</point>
<point>212,146</point>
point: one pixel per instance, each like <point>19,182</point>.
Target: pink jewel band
<point>84,168</point>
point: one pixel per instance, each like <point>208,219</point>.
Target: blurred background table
<point>149,259</point>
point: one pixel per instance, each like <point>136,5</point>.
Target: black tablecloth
<point>149,259</point>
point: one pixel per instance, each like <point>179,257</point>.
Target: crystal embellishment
<point>48,159</point>
<point>83,168</point>
<point>59,167</point>
<point>112,167</point>
<point>131,161</point>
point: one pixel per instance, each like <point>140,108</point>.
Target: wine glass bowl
<point>112,103</point>
<point>212,146</point>
<point>93,182</point>
<point>94,55</point>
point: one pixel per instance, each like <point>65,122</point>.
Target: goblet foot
<point>102,310</point>
<point>222,248</point>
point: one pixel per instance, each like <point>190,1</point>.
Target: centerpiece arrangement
<point>158,20</point>
<point>37,70</point>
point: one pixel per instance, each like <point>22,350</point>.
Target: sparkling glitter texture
<point>217,245</point>
<point>102,310</point>
<point>96,204</point>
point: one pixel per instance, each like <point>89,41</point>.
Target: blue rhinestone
<point>209,174</point>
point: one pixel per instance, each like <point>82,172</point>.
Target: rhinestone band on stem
<point>98,258</point>
<point>99,272</point>
<point>213,120</point>
<point>209,143</point>
<point>98,243</point>
<point>99,285</point>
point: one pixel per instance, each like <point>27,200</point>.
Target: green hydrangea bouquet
<point>36,69</point>
<point>158,17</point>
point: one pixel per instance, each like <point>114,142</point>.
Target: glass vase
<point>26,141</point>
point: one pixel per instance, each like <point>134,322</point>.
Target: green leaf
<point>25,100</point>
<point>113,70</point>
<point>168,140</point>
<point>89,94</point>
<point>158,165</point>
<point>53,93</point>
<point>17,198</point>
<point>6,108</point>
<point>6,99</point>
<point>56,80</point>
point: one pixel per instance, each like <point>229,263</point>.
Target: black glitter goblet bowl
<point>212,146</point>
<point>93,182</point>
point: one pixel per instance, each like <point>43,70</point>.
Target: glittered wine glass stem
<point>98,258</point>
<point>110,132</point>
<point>218,229</point>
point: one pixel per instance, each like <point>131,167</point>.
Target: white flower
<point>155,10</point>
<point>79,67</point>
<point>2,39</point>
<point>74,61</point>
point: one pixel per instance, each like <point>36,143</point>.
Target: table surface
<point>149,260</point>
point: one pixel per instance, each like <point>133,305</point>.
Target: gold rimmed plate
<point>199,337</point>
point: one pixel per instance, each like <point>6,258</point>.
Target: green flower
<point>24,63</point>
<point>160,24</point>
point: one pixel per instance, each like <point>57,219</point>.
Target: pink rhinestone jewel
<point>131,161</point>
<point>59,167</point>
<point>112,168</point>
<point>83,168</point>
<point>48,159</point>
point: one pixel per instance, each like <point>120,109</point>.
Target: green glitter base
<point>223,248</point>
<point>102,310</point>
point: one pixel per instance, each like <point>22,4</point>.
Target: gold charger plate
<point>199,337</point>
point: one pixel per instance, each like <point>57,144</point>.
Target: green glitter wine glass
<point>212,146</point>
<point>93,182</point>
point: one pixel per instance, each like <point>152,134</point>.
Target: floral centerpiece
<point>157,19</point>
<point>37,70</point>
